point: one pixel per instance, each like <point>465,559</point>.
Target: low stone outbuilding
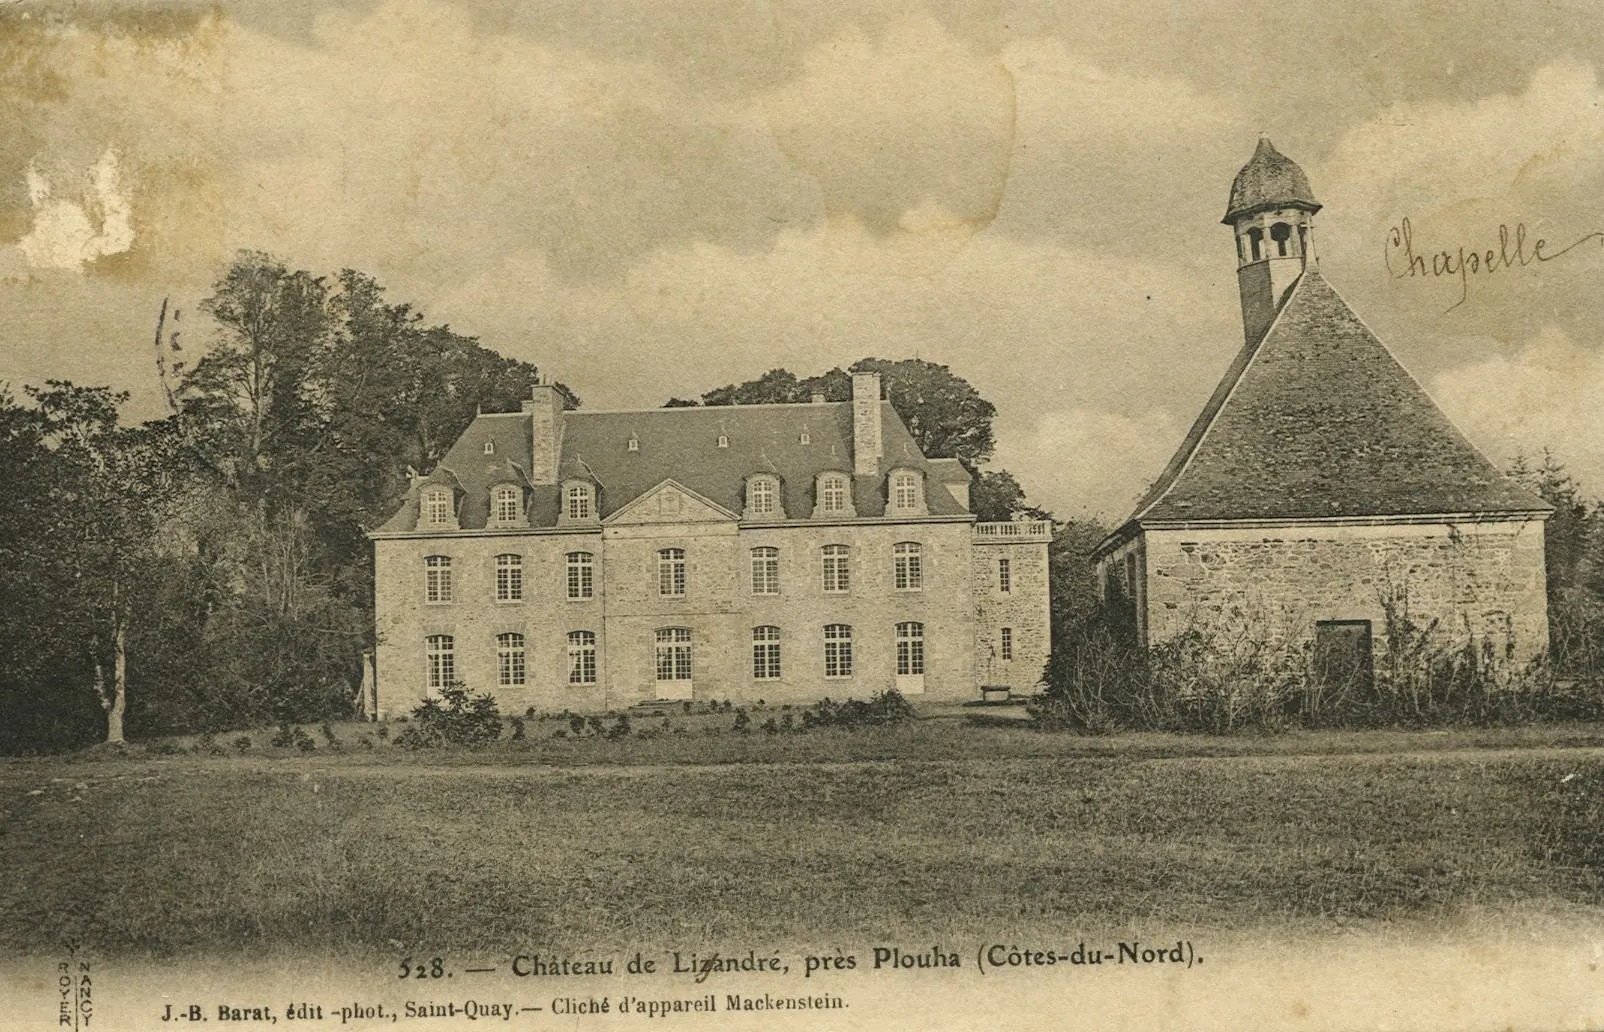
<point>1321,498</point>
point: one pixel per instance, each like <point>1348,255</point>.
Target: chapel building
<point>587,560</point>
<point>1321,493</point>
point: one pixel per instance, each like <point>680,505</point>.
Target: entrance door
<point>1342,654</point>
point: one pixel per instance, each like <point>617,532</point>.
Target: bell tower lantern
<point>1272,214</point>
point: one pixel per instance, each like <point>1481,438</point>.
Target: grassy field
<point>934,831</point>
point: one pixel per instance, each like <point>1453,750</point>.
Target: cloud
<point>69,233</point>
<point>1546,395</point>
<point>1091,461</point>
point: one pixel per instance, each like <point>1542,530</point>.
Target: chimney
<point>866,436</point>
<point>545,408</point>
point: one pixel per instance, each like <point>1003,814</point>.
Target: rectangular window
<point>1005,577</point>
<point>440,650</point>
<point>579,502</point>
<point>905,491</point>
<point>671,573</point>
<point>509,578</point>
<point>765,571</point>
<point>674,654</point>
<point>760,496</point>
<point>581,657</point>
<point>1008,643</point>
<point>837,572</point>
<point>910,649</point>
<point>837,650</point>
<point>437,507</point>
<point>833,494</point>
<point>581,577</point>
<point>510,659</point>
<point>506,505</point>
<point>765,652</point>
<point>908,560</point>
<point>437,578</point>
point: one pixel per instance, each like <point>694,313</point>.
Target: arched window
<point>579,504</point>
<point>833,493</point>
<point>440,650</point>
<point>437,506</point>
<point>437,578</point>
<point>837,568</point>
<point>765,571</point>
<point>671,572</point>
<point>506,504</point>
<point>674,654</point>
<point>837,650</point>
<point>905,491</point>
<point>581,575</point>
<point>581,657</point>
<point>761,495</point>
<point>910,649</point>
<point>1281,233</point>
<point>908,567</point>
<point>1256,242</point>
<point>509,577</point>
<point>509,659</point>
<point>766,653</point>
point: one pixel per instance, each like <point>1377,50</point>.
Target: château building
<point>1321,496</point>
<point>585,560</point>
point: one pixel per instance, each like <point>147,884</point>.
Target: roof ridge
<point>1253,350</point>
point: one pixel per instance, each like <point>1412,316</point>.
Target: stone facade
<point>959,604</point>
<point>1473,581</point>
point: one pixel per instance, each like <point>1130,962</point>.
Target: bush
<point>455,718</point>
<point>243,743</point>
<point>293,736</point>
<point>887,707</point>
<point>517,729</point>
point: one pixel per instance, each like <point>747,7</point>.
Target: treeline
<point>210,569</point>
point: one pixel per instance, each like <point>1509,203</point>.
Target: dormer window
<point>723,440</point>
<point>578,503</point>
<point>833,493</point>
<point>906,492</point>
<point>506,505</point>
<point>762,497</point>
<point>634,443</point>
<point>435,507</point>
<point>490,447</point>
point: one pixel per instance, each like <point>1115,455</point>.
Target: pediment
<point>671,502</point>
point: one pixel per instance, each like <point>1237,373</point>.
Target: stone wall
<point>1475,580</point>
<point>719,608</point>
<point>1025,609</point>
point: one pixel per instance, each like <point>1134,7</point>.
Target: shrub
<point>887,707</point>
<point>455,718</point>
<point>243,743</point>
<point>620,729</point>
<point>293,736</point>
<point>328,735</point>
<point>576,724</point>
<point>742,721</point>
<point>517,729</point>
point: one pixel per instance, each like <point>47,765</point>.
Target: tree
<point>945,414</point>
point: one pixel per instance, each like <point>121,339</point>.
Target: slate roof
<point>682,444</point>
<point>1319,420</point>
<point>1269,180</point>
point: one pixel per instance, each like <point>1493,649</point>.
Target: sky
<point>655,199</point>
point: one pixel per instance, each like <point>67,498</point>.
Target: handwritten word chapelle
<point>1404,263</point>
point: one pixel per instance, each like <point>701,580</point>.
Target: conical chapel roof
<point>1270,179</point>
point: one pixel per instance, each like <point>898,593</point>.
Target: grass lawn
<point>931,832</point>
